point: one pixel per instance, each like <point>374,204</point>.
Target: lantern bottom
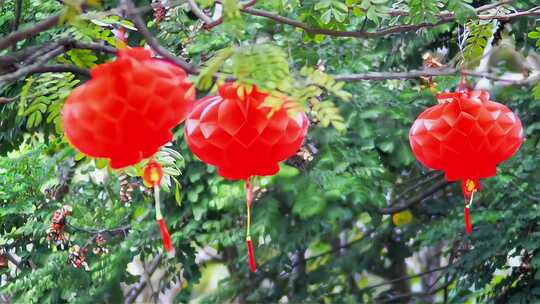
<point>243,173</point>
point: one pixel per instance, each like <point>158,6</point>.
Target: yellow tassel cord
<point>249,200</point>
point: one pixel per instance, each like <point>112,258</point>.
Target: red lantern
<point>235,133</point>
<point>466,135</point>
<point>128,108</point>
<point>126,113</point>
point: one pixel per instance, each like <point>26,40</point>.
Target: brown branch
<point>198,12</point>
<point>45,53</point>
<point>404,278</point>
<point>134,292</point>
<point>30,69</point>
<point>394,299</point>
<point>488,7</point>
<point>337,248</point>
<point>444,14</point>
<point>352,34</point>
<point>382,32</point>
<point>17,22</point>
<point>535,11</point>
<point>68,43</point>
<point>38,68</point>
<point>4,100</point>
<point>17,261</point>
<point>377,76</point>
<point>218,20</point>
<point>90,46</point>
<point>29,32</point>
<point>121,230</point>
<point>127,6</point>
<point>406,204</point>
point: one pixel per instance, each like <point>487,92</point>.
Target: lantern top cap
<point>126,56</point>
<point>468,93</point>
<point>137,53</point>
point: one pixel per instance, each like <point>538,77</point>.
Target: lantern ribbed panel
<point>238,136</point>
<point>126,111</point>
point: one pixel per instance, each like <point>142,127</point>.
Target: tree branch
<point>45,53</point>
<point>429,73</point>
<point>198,12</point>
<point>90,46</point>
<point>535,11</point>
<point>337,248</point>
<point>394,299</point>
<point>15,260</point>
<point>404,278</point>
<point>443,14</point>
<point>18,15</point>
<point>121,230</point>
<point>402,205</point>
<point>38,68</point>
<point>217,19</point>
<point>127,6</point>
<point>29,32</point>
<point>30,69</point>
<point>4,100</point>
<point>443,19</point>
<point>134,292</point>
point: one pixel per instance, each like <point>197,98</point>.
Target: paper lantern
<point>126,111</point>
<point>234,133</point>
<point>466,135</point>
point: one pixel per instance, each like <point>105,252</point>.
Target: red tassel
<point>468,225</point>
<point>251,256</point>
<point>167,244</point>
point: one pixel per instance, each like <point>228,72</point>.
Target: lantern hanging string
<point>121,37</point>
<point>249,201</point>
<point>462,82</point>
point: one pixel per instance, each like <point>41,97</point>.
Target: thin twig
<point>18,15</point>
<point>31,69</point>
<point>127,6</point>
<point>38,69</point>
<point>394,299</point>
<point>198,12</point>
<point>29,32</point>
<point>134,292</point>
<point>217,19</point>
<point>381,32</point>
<point>445,14</point>
<point>338,248</point>
<point>429,73</point>
<point>404,278</point>
<point>400,206</point>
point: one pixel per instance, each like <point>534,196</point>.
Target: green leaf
<point>536,91</point>
<point>326,17</point>
<point>101,163</point>
<point>324,4</point>
<point>534,35</point>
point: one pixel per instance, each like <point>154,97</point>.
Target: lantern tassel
<point>165,235</point>
<point>249,201</point>
<point>468,226</point>
<point>469,187</point>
